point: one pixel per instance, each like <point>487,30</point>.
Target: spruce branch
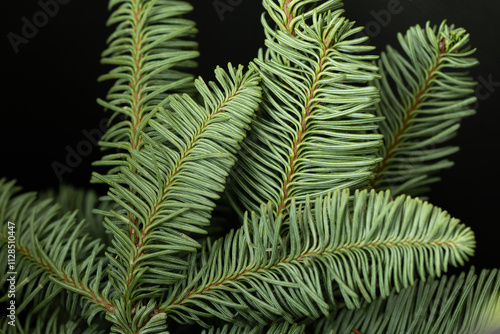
<point>426,92</point>
<point>300,267</point>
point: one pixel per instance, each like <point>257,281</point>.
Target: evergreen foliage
<point>425,95</point>
<point>316,129</point>
<point>322,144</point>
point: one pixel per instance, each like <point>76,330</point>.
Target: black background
<point>50,88</point>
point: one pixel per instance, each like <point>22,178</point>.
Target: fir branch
<point>424,98</point>
<point>86,202</point>
<point>176,183</point>
<point>151,48</point>
<point>137,319</point>
<point>157,206</point>
<point>468,304</point>
<point>294,260</point>
<point>51,323</point>
<point>298,268</point>
<point>54,252</point>
<point>314,131</point>
<point>287,13</point>
<point>276,327</point>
